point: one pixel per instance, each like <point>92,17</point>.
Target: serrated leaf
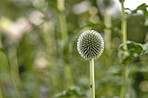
<point>142,7</point>
<point>133,52</point>
<point>130,42</point>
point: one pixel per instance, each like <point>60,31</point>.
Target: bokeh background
<point>38,53</point>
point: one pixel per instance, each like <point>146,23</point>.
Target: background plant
<point>32,27</point>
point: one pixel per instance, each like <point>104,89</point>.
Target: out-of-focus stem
<point>1,96</point>
<point>12,56</point>
<point>125,67</point>
<point>0,40</point>
<point>0,80</point>
<point>62,19</point>
<point>64,31</point>
<point>68,75</point>
<point>107,21</point>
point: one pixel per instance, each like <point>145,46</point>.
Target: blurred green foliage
<point>34,56</point>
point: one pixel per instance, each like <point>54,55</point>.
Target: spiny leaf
<point>142,7</point>
<point>129,42</point>
<point>135,50</point>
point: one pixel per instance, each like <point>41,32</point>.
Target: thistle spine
<point>90,44</point>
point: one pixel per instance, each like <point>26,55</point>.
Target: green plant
<point>65,38</point>
<point>108,22</point>
<point>62,19</point>
<point>90,45</point>
<point>124,38</point>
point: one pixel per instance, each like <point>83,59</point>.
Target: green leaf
<point>142,7</point>
<point>121,0</point>
<point>64,50</point>
<point>108,3</point>
<point>2,50</point>
<point>145,48</point>
<point>71,92</point>
<point>134,51</point>
<point>130,42</point>
<point>146,21</point>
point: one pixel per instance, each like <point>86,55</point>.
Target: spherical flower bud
<point>90,44</point>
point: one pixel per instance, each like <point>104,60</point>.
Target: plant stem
<point>1,94</point>
<point>0,80</point>
<point>107,21</point>
<point>67,69</point>
<point>124,27</point>
<point>0,39</point>
<point>124,74</point>
<point>124,77</point>
<point>62,19</point>
<point>64,31</point>
<point>92,78</point>
<point>12,57</point>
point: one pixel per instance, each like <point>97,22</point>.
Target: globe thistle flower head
<point>90,44</point>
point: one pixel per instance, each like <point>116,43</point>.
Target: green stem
<point>12,57</point>
<point>64,31</point>
<point>124,74</point>
<point>92,78</point>
<point>124,28</point>
<point>0,39</point>
<point>107,21</point>
<point>69,74</point>
<point>124,77</point>
<point>62,19</point>
<point>0,80</point>
<point>1,95</point>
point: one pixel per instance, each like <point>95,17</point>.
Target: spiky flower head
<point>90,44</point>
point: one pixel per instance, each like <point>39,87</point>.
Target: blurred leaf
<point>108,3</point>
<point>14,8</point>
<point>130,93</point>
<point>135,50</point>
<point>111,78</point>
<point>121,0</point>
<point>146,21</point>
<point>110,97</point>
<point>145,48</point>
<point>139,69</point>
<point>143,7</point>
<point>113,70</point>
<point>72,92</point>
<point>64,50</point>
<point>138,45</point>
<point>2,50</point>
